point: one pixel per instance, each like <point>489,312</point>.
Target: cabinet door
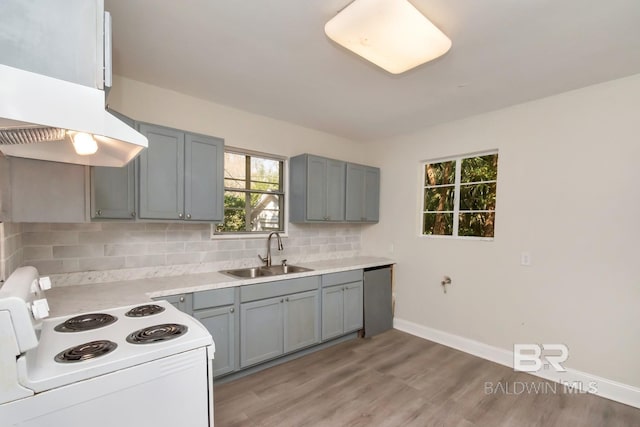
<point>162,174</point>
<point>204,166</point>
<point>301,320</point>
<point>352,307</point>
<point>221,324</point>
<point>183,302</point>
<point>371,194</point>
<point>355,192</point>
<point>332,312</point>
<point>113,192</point>
<point>113,189</point>
<point>316,189</point>
<point>335,190</point>
<point>261,334</point>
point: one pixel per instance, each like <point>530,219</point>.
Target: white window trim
<point>285,183</point>
<point>456,200</point>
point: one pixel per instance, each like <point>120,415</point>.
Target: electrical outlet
<point>525,258</point>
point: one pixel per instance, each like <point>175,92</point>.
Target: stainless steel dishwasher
<point>378,300</point>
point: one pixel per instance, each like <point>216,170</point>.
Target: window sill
<point>472,238</point>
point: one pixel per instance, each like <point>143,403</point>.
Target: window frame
<point>284,185</point>
<point>456,201</point>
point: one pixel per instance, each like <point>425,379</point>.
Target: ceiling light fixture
<point>84,143</point>
<point>392,34</point>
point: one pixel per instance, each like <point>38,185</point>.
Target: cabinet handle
<point>281,299</point>
<point>287,299</point>
<point>133,214</point>
<point>181,299</point>
<point>99,212</point>
<point>231,310</point>
<point>180,215</point>
<point>188,216</point>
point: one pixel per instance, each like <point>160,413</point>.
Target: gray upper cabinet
<point>162,173</point>
<point>204,163</point>
<point>363,193</point>
<point>113,189</point>
<point>181,175</point>
<point>317,189</point>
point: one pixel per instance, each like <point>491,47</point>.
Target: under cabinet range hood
<point>41,115</point>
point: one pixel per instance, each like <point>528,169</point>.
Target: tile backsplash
<point>108,251</point>
<point>11,249</point>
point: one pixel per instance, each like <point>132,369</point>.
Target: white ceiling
<point>273,58</point>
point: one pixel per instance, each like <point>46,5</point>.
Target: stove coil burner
<point>86,322</point>
<point>157,333</point>
<point>86,351</point>
<point>144,310</point>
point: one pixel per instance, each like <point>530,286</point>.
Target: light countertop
<point>68,300</point>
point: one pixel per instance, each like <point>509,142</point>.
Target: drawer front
<point>279,288</point>
<point>342,277</point>
<point>213,298</point>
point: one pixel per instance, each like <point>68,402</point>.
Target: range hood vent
<point>30,135</point>
<point>37,114</point>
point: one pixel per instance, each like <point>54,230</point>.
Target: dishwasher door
<point>378,301</point>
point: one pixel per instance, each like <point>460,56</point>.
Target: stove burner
<point>86,322</point>
<point>157,333</point>
<point>86,351</point>
<point>144,310</point>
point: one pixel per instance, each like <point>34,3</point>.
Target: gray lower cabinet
<point>317,189</point>
<point>363,193</point>
<point>301,320</point>
<point>262,333</point>
<point>183,302</point>
<point>278,325</point>
<point>221,324</point>
<point>181,175</point>
<point>113,189</point>
<point>342,303</point>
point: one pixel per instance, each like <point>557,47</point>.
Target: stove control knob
<point>40,309</point>
<point>45,283</point>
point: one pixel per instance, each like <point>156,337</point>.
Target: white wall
<point>568,193</point>
<point>152,104</point>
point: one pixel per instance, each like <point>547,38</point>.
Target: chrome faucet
<point>267,260</point>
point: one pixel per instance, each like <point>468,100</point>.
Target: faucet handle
<point>284,262</point>
<point>262,259</point>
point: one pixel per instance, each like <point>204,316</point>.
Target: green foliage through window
<point>460,196</point>
<point>253,193</point>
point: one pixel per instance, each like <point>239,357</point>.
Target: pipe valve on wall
<point>446,280</point>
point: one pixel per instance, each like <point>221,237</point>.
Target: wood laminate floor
<point>396,379</point>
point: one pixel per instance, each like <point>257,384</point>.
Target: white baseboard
<point>619,392</point>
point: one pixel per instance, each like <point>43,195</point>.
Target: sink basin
<point>274,270</point>
<point>280,269</point>
<point>248,272</point>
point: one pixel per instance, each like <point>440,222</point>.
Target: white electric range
<point>145,365</point>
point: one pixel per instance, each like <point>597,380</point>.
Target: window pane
<point>234,212</point>
<point>438,223</point>
<point>482,168</point>
<point>265,174</point>
<point>479,224</point>
<point>234,170</point>
<point>440,173</point>
<point>438,199</point>
<point>480,197</point>
<point>265,212</point>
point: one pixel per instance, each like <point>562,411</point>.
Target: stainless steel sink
<point>286,269</point>
<point>274,270</point>
<point>248,272</point>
